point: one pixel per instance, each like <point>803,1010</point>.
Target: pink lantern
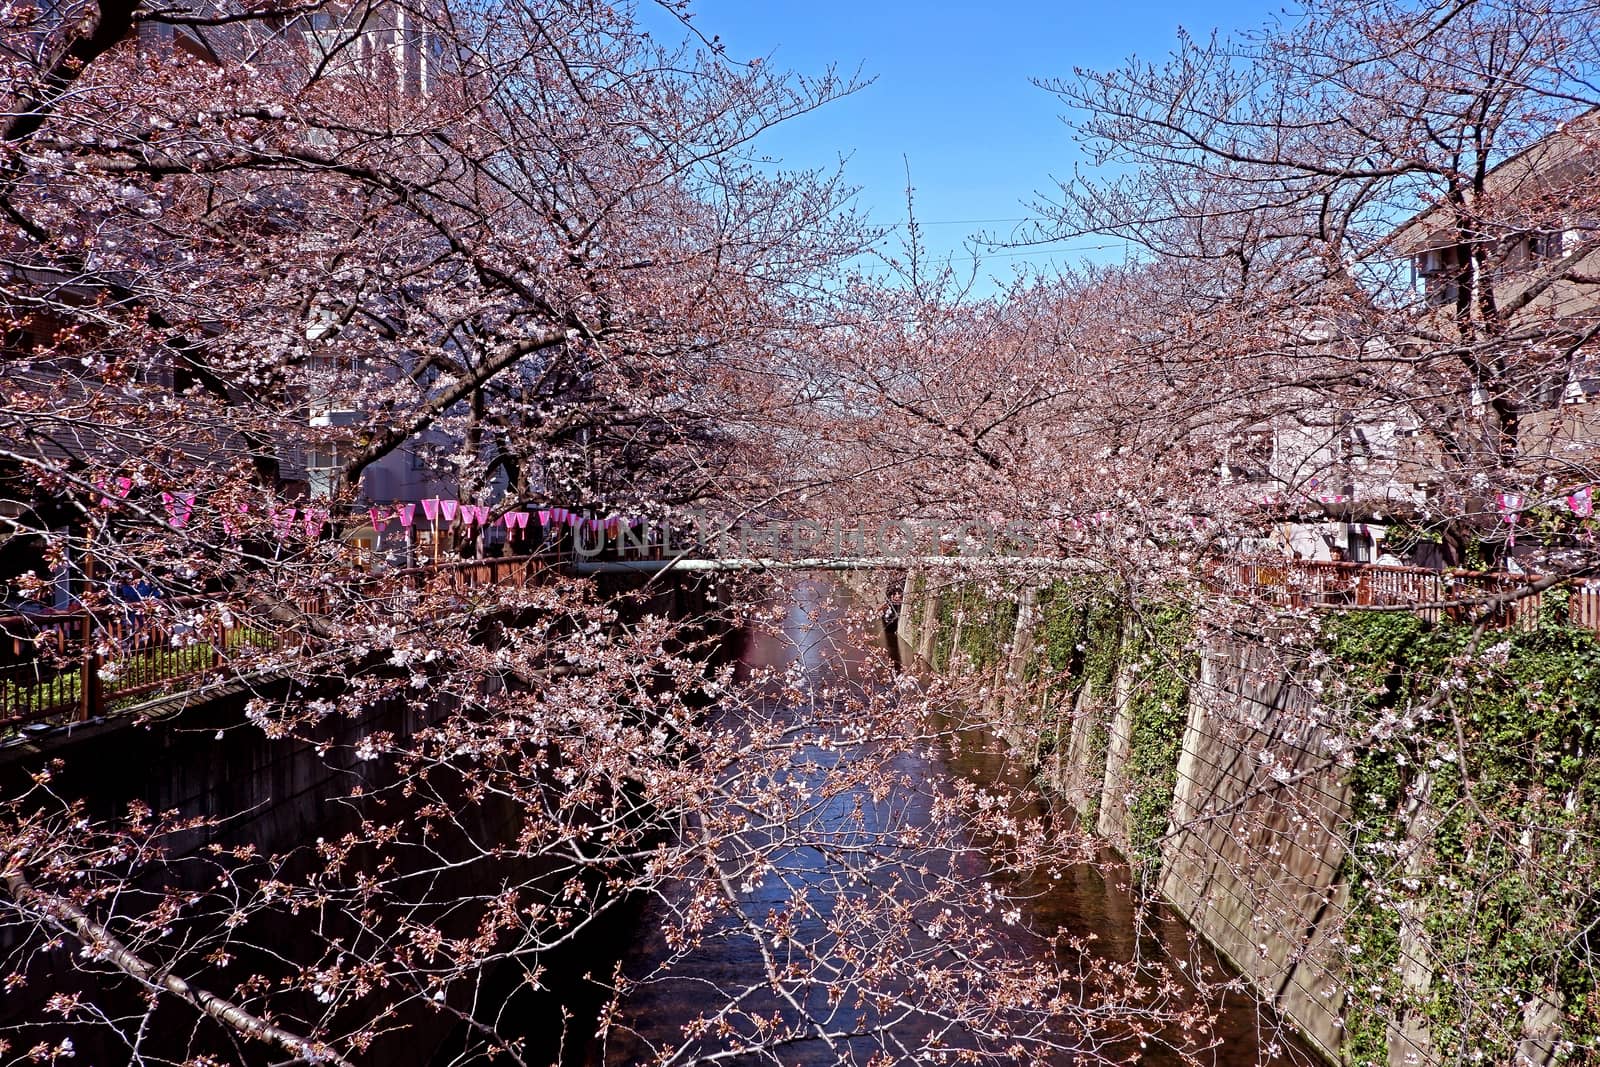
<point>283,520</point>
<point>123,483</point>
<point>179,507</point>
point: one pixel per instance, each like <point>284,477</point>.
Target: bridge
<point>63,667</point>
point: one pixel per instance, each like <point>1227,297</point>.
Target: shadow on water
<point>1080,901</point>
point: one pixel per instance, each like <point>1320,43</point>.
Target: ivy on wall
<point>1501,877</point>
<point>1079,640</point>
<point>1495,743</point>
<point>1058,658</point>
<point>944,636</point>
<point>911,607</point>
<point>989,626</point>
<point>975,624</point>
<point>1088,637</point>
<point>1162,659</point>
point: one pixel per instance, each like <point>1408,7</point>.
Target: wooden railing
<point>1458,595</point>
<point>60,666</point>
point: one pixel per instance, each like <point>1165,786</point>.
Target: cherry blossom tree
<point>1372,237</point>
<point>251,253</point>
<point>1268,356</point>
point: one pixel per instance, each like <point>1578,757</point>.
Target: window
<point>1248,457</point>
<point>341,46</point>
<point>1528,251</point>
<point>1361,544</point>
<point>1548,394</point>
<point>1440,273</point>
<point>322,470</point>
<point>1356,443</point>
<point>1547,245</point>
<point>1442,292</point>
<point>382,43</point>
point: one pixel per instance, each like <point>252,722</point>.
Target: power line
<point>1048,251</point>
<point>971,222</point>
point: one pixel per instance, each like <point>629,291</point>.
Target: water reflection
<point>811,655</point>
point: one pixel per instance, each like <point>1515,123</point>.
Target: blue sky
<point>952,94</point>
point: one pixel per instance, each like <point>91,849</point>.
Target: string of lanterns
<point>437,512</point>
<point>443,512</point>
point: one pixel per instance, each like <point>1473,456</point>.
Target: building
<point>1515,273</point>
<point>1497,389</point>
<point>66,406</point>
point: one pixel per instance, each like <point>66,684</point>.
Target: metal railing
<point>1435,595</point>
<point>58,666</point>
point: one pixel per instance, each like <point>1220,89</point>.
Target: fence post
<point>89,688</point>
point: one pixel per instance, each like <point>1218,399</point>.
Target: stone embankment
<point>1315,850</point>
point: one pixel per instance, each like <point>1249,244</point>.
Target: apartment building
<point>50,385</point>
<point>1505,294</point>
<point>1523,263</point>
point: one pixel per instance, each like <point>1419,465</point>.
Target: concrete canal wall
<point>1207,759</point>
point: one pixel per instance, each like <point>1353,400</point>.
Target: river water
<point>813,650</point>
<point>807,660</point>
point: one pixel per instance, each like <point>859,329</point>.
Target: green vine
<point>1493,741</point>
<point>1101,660</point>
<point>1162,660</point>
<point>1504,877</point>
<point>1058,645</point>
<point>911,606</point>
<point>944,634</point>
<point>1082,639</point>
<point>987,630</point>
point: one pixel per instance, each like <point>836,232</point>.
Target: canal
<point>867,878</point>
<point>1102,978</point>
